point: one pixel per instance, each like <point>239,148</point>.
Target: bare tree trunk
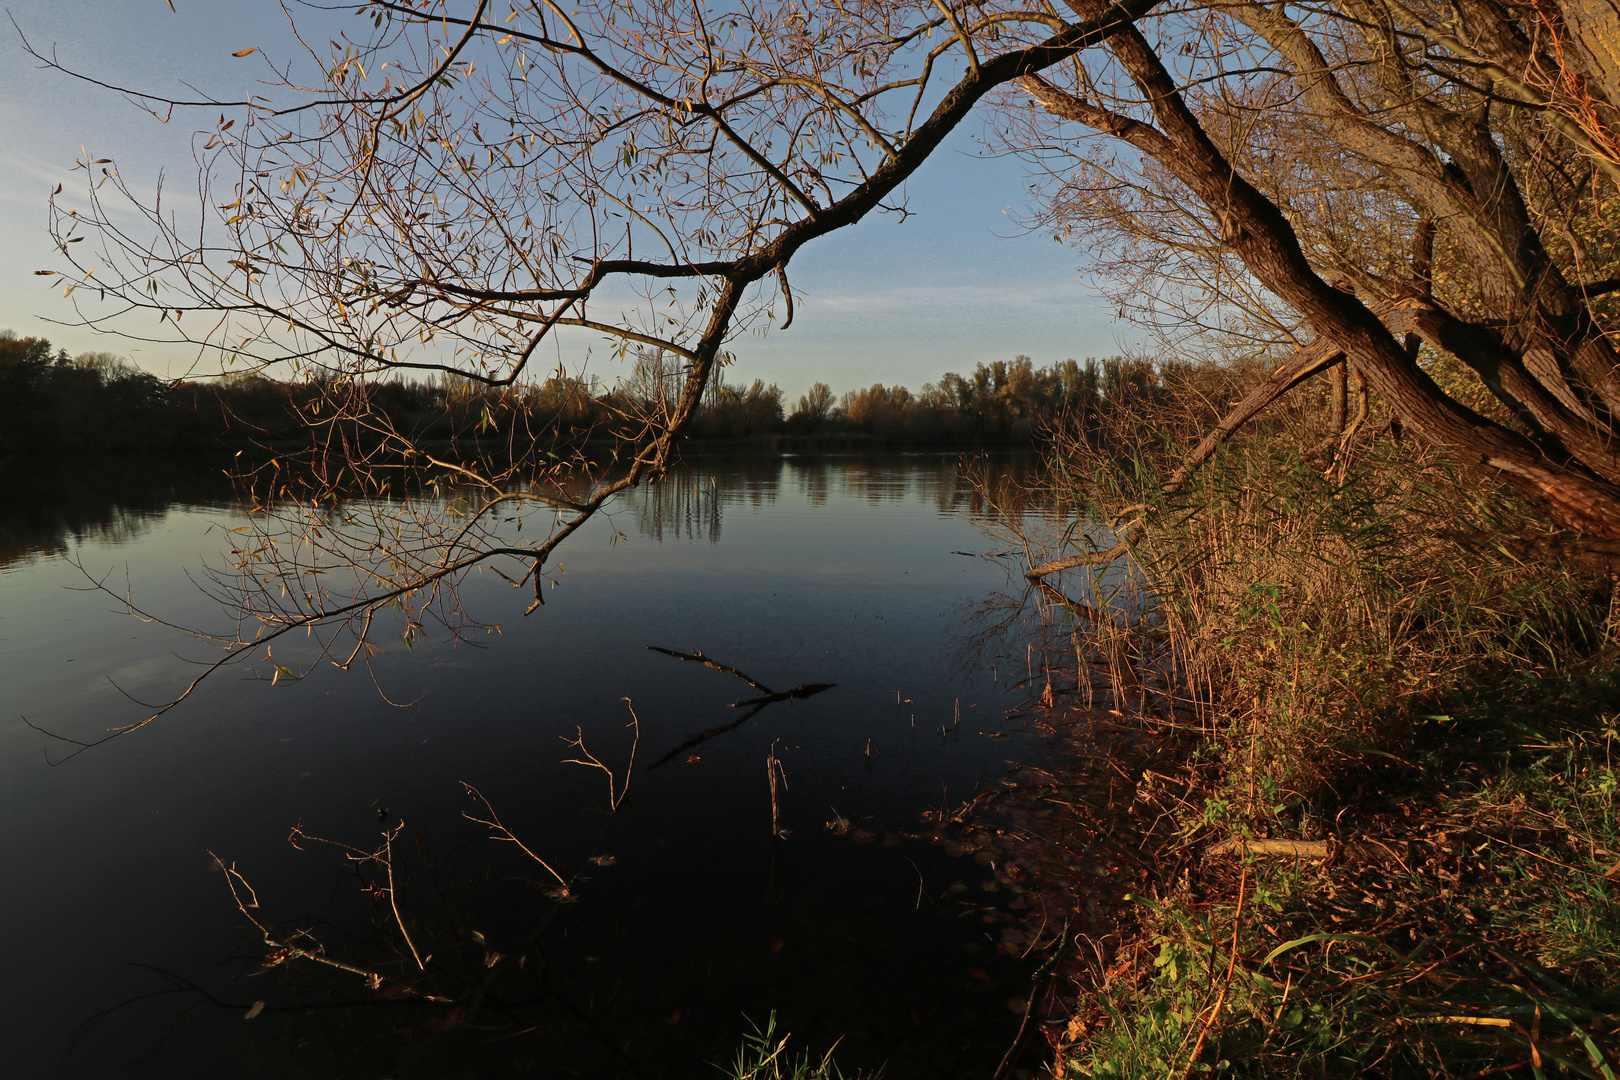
<point>1339,406</point>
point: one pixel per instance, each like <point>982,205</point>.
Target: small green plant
<point>764,1056</point>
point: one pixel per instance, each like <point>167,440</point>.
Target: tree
<point>877,406</point>
<point>463,183</point>
<point>1407,183</point>
<point>454,182</point>
<point>816,405</point>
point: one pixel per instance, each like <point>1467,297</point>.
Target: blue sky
<point>953,285</point>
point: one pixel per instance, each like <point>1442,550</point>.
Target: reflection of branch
<point>801,691</point>
<point>237,648</point>
<point>753,705</point>
<point>1074,607</point>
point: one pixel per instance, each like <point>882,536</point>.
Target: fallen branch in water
<point>753,705</point>
<point>696,656</point>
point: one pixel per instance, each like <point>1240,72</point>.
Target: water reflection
<point>686,506</point>
<point>691,503</point>
<point>827,571</point>
<point>49,504</point>
<point>953,484</point>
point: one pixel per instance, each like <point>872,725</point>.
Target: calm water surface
<point>123,951</point>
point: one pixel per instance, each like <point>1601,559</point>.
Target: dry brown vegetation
<point>1358,776</point>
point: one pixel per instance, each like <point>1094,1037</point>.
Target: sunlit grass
<point>764,1055</point>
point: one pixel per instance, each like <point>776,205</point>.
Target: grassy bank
<point>1380,760</point>
<point>1457,919</point>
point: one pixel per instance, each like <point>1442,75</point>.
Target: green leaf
<point>1309,938</point>
<point>1592,1051</point>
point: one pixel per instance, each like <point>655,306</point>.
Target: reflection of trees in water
<point>684,506</point>
<point>813,479</point>
<point>876,480</point>
<point>688,504</point>
<point>944,480</point>
<point>1012,487</point>
<point>48,504</point>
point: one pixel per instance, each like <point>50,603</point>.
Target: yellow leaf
<point>244,52</point>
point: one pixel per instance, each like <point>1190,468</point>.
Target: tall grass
<point>1354,626</point>
<point>764,1055</point>
<point>1311,612</point>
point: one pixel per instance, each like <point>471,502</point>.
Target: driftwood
<point>1293,849</point>
<point>1371,849</point>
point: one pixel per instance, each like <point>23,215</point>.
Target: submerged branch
<point>753,705</point>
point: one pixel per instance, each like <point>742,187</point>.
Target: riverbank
<point>1357,755</point>
<point>1457,916</point>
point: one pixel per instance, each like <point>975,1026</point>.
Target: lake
<point>686,919</point>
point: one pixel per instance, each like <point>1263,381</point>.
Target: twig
<point>773,770</point>
<point>503,833</point>
<point>291,951</point>
<point>393,902</point>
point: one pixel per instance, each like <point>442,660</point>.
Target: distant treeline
<point>50,401</point>
<point>97,401</point>
<point>1003,401</point>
